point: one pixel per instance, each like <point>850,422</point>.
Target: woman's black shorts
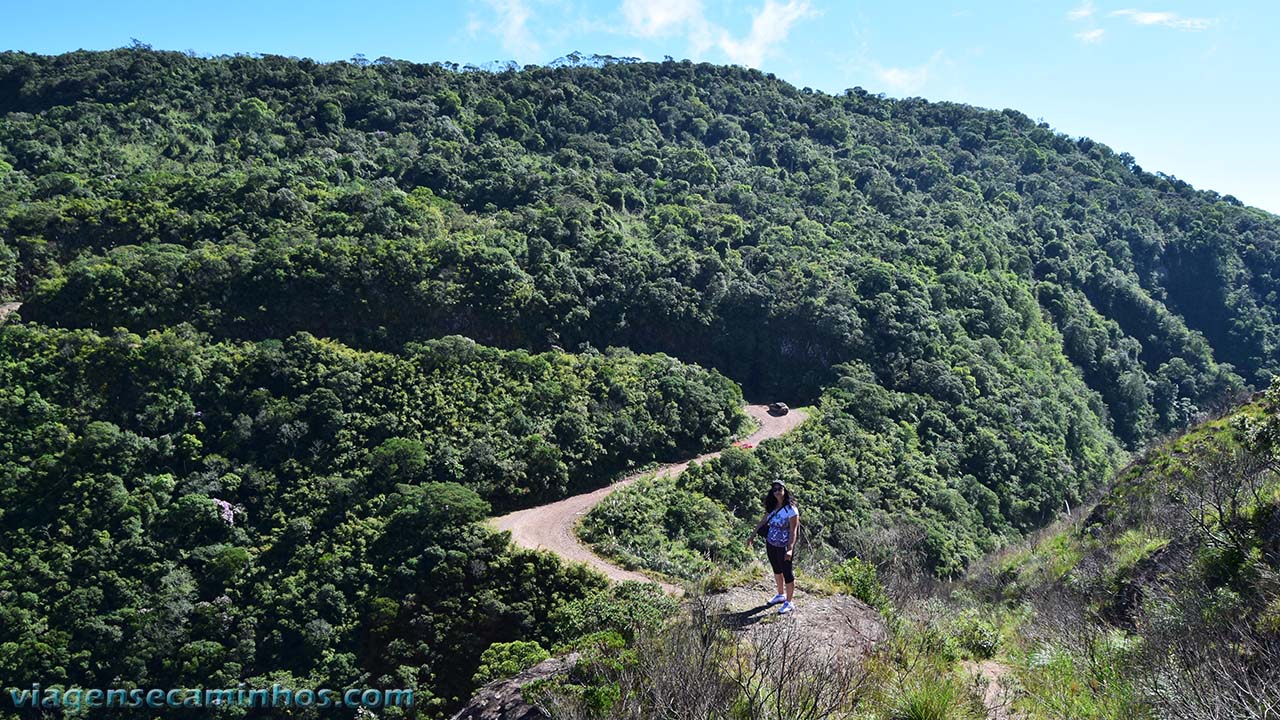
<point>780,562</point>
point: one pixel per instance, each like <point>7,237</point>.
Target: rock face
<point>501,699</point>
<point>6,308</point>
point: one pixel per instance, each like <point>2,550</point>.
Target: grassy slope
<point>1171,574</point>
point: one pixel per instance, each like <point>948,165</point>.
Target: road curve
<point>550,527</point>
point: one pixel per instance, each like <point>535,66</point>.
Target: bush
<point>591,688</point>
<point>1058,679</point>
<point>977,636</point>
<point>657,525</point>
<point>1269,620</point>
<point>934,698</point>
<point>858,578</point>
<point>716,582</point>
<point>624,608</point>
<point>503,660</point>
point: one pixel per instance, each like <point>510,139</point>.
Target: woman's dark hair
<point>770,504</point>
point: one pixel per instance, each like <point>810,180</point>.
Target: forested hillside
<point>1159,600</point>
<point>767,231</point>
<point>243,279</point>
<point>179,512</point>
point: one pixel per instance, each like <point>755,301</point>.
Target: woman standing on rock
<point>783,523</point>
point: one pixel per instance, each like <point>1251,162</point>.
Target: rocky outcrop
<point>503,700</point>
<point>836,624</point>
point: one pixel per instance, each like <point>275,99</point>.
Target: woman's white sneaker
<point>786,608</point>
<point>777,599</point>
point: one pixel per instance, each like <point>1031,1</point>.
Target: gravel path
<point>550,527</point>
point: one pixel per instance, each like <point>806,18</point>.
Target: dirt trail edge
<point>550,527</point>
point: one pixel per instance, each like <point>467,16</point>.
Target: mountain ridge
<point>272,308</point>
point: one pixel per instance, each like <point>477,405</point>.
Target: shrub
<point>858,578</point>
<point>625,608</point>
<point>564,699</point>
<point>591,688</point>
<point>716,582</point>
<point>1087,685</point>
<point>1269,620</point>
<point>977,636</point>
<point>503,660</point>
<point>934,698</point>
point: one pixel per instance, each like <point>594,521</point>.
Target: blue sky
<point>1190,88</point>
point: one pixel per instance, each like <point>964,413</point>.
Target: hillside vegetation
<point>179,512</point>
<point>1163,600</point>
<point>275,310</point>
<point>1158,599</point>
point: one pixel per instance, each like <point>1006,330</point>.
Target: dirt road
<point>550,527</point>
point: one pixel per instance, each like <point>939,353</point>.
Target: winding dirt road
<point>550,527</point>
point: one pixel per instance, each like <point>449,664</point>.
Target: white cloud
<point>510,24</point>
<point>904,79</point>
<point>1165,19</point>
<point>651,18</point>
<point>907,79</point>
<point>1083,12</point>
<point>769,27</point>
<point>1091,37</point>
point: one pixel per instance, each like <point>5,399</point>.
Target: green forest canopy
<point>244,277</point>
